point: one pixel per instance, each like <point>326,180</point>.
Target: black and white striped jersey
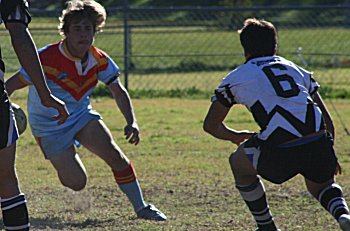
<point>14,10</point>
<point>278,93</point>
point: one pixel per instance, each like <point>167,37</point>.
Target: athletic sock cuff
<point>126,175</point>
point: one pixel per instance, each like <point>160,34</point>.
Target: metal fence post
<point>347,14</point>
<point>126,43</point>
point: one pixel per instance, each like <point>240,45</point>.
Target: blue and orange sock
<point>128,183</point>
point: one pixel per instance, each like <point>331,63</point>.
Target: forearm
<point>223,132</point>
<point>329,124</point>
<point>214,125</point>
<point>326,115</point>
<point>14,83</point>
<point>29,60</point>
<point>124,103</point>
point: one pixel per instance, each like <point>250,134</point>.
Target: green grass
<point>181,169</point>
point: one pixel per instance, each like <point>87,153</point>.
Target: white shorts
<point>59,142</point>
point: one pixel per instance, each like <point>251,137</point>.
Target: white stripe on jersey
<point>2,76</point>
<point>18,14</point>
<point>12,129</point>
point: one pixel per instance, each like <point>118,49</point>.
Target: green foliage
<point>190,93</point>
<point>194,93</point>
<point>101,91</point>
<point>329,92</point>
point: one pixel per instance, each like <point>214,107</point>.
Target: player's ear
<point>275,50</point>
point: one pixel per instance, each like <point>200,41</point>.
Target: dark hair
<point>258,37</point>
<point>78,10</point>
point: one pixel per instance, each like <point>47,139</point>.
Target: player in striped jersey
<point>14,14</point>
<point>73,67</point>
<point>296,135</point>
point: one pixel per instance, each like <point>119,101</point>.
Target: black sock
<point>255,198</point>
<point>15,213</point>
<point>332,199</point>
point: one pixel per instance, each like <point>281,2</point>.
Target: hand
<point>59,105</point>
<point>132,133</point>
<point>338,170</point>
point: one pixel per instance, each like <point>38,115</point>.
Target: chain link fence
<point>195,47</point>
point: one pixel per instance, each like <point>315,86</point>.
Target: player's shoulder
<point>49,53</point>
<point>240,72</point>
<point>97,52</point>
<point>102,58</point>
<point>243,69</point>
<point>295,66</point>
<point>49,49</point>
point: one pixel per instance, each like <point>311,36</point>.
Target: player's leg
<point>330,195</point>
<point>13,202</point>
<point>251,189</point>
<point>103,145</point>
<point>70,169</point>
<point>58,147</point>
<point>320,180</point>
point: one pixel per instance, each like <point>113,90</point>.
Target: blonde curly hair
<point>78,10</point>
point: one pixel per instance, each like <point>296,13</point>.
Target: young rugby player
<point>296,135</point>
<point>73,68</point>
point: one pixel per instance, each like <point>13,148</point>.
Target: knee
<point>231,159</point>
<point>76,184</point>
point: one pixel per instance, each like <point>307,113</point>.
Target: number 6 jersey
<point>278,93</point>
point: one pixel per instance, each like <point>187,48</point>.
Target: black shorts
<point>8,128</point>
<point>315,160</point>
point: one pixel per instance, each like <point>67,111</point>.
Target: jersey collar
<point>260,57</point>
<point>64,50</point>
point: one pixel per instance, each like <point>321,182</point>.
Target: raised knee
<point>232,158</point>
<point>76,184</point>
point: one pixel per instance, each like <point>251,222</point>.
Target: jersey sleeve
<point>311,84</point>
<point>24,77</point>
<point>15,11</point>
<point>314,86</point>
<point>110,72</point>
<point>224,94</point>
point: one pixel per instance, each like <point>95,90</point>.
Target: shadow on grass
<point>57,223</point>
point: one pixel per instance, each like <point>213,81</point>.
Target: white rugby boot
<point>344,222</point>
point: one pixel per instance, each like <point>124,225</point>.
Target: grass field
<point>181,169</point>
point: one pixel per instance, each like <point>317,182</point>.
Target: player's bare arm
<point>29,59</point>
<point>329,124</point>
<point>14,83</point>
<point>326,115</point>
<point>214,125</point>
<point>122,98</point>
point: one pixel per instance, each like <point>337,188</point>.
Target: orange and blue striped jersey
<point>69,80</point>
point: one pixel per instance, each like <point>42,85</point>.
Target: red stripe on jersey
<point>62,70</point>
